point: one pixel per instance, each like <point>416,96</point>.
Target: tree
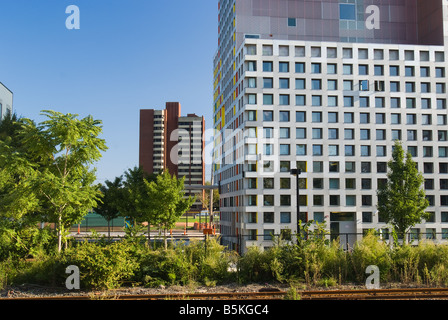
<point>112,197</point>
<point>401,200</point>
<point>134,194</point>
<point>204,197</point>
<point>53,165</point>
<point>167,201</point>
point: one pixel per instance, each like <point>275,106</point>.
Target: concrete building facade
<point>174,142</point>
<point>327,87</point>
<point>6,98</point>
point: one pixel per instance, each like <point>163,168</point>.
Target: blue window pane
<point>292,22</point>
<point>347,12</point>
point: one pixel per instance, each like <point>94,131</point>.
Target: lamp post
<point>297,173</point>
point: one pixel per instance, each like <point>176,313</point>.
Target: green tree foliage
<point>166,201</point>
<point>52,170</point>
<point>134,195</point>
<point>402,201</point>
<point>112,196</point>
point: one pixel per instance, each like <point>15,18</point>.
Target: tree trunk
<point>59,229</point>
<point>149,235</point>
<point>164,239</point>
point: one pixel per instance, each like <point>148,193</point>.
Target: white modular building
<point>324,87</point>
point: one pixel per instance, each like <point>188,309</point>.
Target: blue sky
<point>128,55</point>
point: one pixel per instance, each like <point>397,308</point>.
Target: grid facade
<point>174,142</point>
<point>333,109</point>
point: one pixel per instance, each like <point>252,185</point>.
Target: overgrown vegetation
<point>312,262</point>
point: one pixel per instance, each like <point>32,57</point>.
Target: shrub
<point>102,267</point>
<point>370,251</point>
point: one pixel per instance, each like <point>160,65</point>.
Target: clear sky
<point>127,55</point>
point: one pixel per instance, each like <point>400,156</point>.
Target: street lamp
<point>297,173</point>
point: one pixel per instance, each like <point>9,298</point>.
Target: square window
<point>350,183</point>
<point>349,134</point>
<point>285,200</point>
<point>348,117</point>
<point>268,50</point>
<point>367,217</point>
<point>316,52</point>
<point>252,115</point>
<point>364,102</point>
<point>316,101</point>
<point>363,69</point>
<point>317,116</point>
<point>316,84</point>
<point>318,166</point>
<point>347,12</point>
<point>300,84</point>
<point>317,133</point>
<point>268,116</point>
<point>349,150</point>
<point>300,116</point>
<point>332,101</point>
<point>268,133</point>
<point>268,217</point>
<point>334,200</point>
<point>300,133</point>
<point>380,134</point>
<point>300,67</point>
<point>333,150</point>
<point>379,70</point>
<point>284,116</point>
<point>268,149</point>
<point>409,71</point>
<point>300,100</point>
<point>332,117</point>
<point>268,83</point>
<point>285,149</point>
<point>285,217</point>
<point>350,167</point>
<point>317,150</point>
<point>252,99</point>
<point>347,69</point>
<point>332,85</point>
<point>285,133</point>
<point>268,66</point>
<point>315,68</point>
<point>283,100</point>
<point>301,150</point>
<point>292,22</point>
<point>334,184</point>
<point>332,68</point>
<point>285,183</point>
<point>318,183</point>
<point>332,52</point>
<point>284,83</point>
<point>268,99</point>
<point>285,166</point>
<point>283,66</point>
<point>394,71</point>
<point>268,183</point>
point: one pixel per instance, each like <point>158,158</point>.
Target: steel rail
<point>378,294</point>
<point>175,296</point>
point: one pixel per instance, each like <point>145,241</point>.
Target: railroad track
<point>178,296</point>
<point>380,294</point>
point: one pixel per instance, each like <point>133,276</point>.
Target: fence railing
<point>346,240</point>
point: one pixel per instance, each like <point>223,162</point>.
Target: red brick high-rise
<point>170,141</point>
